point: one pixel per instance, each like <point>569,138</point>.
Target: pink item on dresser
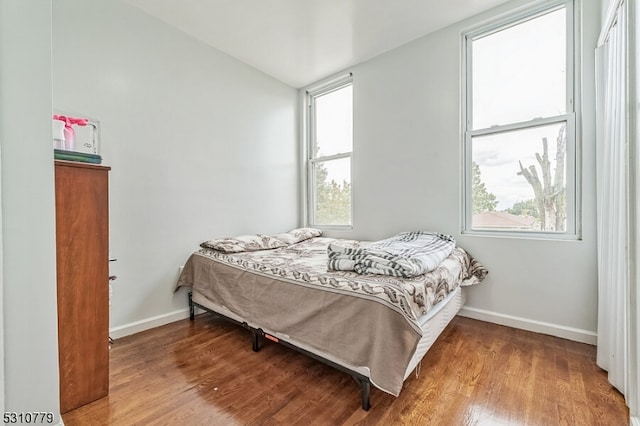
<point>69,133</point>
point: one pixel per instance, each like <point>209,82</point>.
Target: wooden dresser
<point>82,250</point>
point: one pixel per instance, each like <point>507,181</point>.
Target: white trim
<point>572,117</point>
<point>569,333</point>
<point>515,17</point>
<point>309,144</point>
<point>149,323</point>
<point>609,21</point>
<point>523,125</point>
<point>330,84</point>
<point>303,112</point>
<point>326,158</point>
<point>634,421</point>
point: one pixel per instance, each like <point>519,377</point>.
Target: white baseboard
<point>575,334</point>
<point>635,421</point>
<point>149,323</point>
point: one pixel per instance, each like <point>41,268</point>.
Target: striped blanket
<point>407,254</point>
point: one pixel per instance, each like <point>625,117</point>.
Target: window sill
<point>546,236</point>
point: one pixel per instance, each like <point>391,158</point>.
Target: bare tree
<point>550,192</point>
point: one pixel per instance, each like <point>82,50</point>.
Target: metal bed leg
<point>255,338</point>
<point>192,309</point>
<point>363,382</point>
<point>365,389</point>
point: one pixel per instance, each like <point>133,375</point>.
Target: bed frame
<point>206,275</point>
<point>256,333</point>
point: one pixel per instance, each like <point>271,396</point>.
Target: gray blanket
<point>407,254</point>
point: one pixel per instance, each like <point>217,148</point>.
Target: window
<point>519,125</point>
<point>330,141</point>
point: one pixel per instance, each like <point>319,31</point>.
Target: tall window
<point>519,126</point>
<point>330,140</point>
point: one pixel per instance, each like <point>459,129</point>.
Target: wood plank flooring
<point>205,373</point>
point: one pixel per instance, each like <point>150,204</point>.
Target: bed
<point>376,328</point>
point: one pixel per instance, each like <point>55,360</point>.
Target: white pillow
<point>244,243</point>
<point>297,235</point>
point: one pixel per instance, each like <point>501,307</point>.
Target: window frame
<point>571,117</point>
<point>310,148</point>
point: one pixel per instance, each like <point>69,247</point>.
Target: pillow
<point>243,243</point>
<point>297,235</point>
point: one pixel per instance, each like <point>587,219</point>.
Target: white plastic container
<point>58,134</point>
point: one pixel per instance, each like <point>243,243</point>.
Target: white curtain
<point>612,201</point>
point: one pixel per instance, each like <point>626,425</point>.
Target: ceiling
<point>302,41</point>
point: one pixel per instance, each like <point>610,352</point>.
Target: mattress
<point>432,325</point>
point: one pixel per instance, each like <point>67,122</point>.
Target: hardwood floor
<point>205,373</point>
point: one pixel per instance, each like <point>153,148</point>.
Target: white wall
<point>407,175</point>
<point>633,399</point>
<point>190,131</point>
<point>28,217</point>
<point>604,8</point>
<point>200,144</point>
